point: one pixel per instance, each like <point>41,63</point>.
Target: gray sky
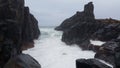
<point>53,12</point>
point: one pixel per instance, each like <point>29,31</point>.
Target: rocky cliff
<point>82,27</point>
<point>18,29</point>
<point>79,18</point>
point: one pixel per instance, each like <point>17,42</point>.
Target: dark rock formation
<point>83,26</point>
<point>90,63</point>
<point>22,61</point>
<point>87,15</point>
<point>110,52</point>
<point>80,33</point>
<point>30,29</point>
<point>80,27</point>
<point>18,29</point>
<point>107,52</point>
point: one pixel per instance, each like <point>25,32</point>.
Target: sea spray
<point>51,52</point>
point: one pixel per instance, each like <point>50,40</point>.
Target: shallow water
<point>51,52</point>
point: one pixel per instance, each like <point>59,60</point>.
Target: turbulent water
<point>51,52</point>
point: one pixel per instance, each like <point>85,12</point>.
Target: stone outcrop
<point>79,28</point>
<point>82,27</point>
<point>18,29</point>
<point>78,18</point>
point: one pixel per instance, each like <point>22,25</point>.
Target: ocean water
<point>51,52</point>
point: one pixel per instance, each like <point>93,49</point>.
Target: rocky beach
<point>80,41</point>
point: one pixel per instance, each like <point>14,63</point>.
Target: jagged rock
<point>90,63</point>
<point>79,28</point>
<point>83,26</point>
<point>22,61</point>
<point>89,12</point>
<point>18,29</point>
<point>107,52</point>
<point>87,15</point>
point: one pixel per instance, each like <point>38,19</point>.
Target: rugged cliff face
<point>79,28</point>
<point>18,29</point>
<point>83,26</point>
<point>80,17</point>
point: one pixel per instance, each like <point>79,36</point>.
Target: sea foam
<point>51,52</point>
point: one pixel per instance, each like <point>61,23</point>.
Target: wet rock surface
<point>90,63</point>
<point>18,28</point>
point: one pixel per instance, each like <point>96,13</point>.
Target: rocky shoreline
<point>82,27</point>
<point>18,29</point>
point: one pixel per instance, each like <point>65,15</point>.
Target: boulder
<point>22,61</point>
<point>90,63</point>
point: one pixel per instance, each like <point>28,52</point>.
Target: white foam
<point>50,52</point>
<point>99,43</point>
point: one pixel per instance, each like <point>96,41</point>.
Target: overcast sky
<point>53,12</point>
